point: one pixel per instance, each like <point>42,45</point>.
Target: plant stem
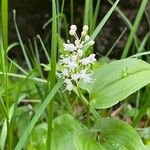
<point>4,17</point>
<point>85,101</point>
<point>52,74</point>
<point>142,110</point>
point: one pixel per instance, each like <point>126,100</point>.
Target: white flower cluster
<point>73,65</point>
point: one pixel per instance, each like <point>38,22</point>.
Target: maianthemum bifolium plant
<point>65,109</point>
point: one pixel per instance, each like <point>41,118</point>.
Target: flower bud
<point>85,28</point>
<point>91,42</point>
<point>83,33</point>
<point>72,32</point>
<point>87,37</point>
<point>73,27</point>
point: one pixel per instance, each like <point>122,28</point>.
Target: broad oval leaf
<point>84,140</point>
<point>116,134</point>
<point>116,81</point>
<point>64,127</point>
<point>38,137</point>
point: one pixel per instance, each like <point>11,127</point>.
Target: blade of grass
<point>147,18</point>
<point>86,12</point>
<point>44,48</point>
<point>37,60</point>
<point>102,23</point>
<point>24,77</point>
<point>91,17</point>
<point>18,67</point>
<point>3,135</point>
<point>40,110</point>
<point>12,46</point>
<point>140,54</point>
<point>3,109</point>
<point>52,73</point>
<point>134,28</point>
<point>21,43</point>
<point>118,39</point>
<point>95,14</point>
<point>4,17</point>
<point>126,21</point>
<point>143,43</point>
<point>142,109</point>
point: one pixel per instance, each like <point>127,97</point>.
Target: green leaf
<point>84,141</point>
<point>39,112</point>
<point>102,23</point>
<point>3,135</point>
<point>64,128</point>
<point>116,81</point>
<point>118,135</point>
<point>38,137</point>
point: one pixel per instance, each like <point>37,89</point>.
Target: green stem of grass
<point>86,103</point>
<point>4,20</point>
<point>142,110</point>
<point>134,28</point>
<point>71,10</point>
<point>52,74</point>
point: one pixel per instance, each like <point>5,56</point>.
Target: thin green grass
<point>40,110</point>
<point>21,43</point>
<point>134,28</point>
<point>4,20</point>
<point>52,73</point>
<point>102,23</point>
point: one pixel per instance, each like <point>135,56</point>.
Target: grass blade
<point>21,43</point>
<point>86,12</point>
<point>102,23</point>
<point>41,109</point>
<point>3,109</point>
<point>134,28</point>
<point>4,17</point>
<point>52,73</point>
<point>3,135</point>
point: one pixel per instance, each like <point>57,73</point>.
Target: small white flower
<point>80,53</point>
<point>77,43</point>
<point>72,32</point>
<point>85,28</point>
<point>67,81</point>
<point>87,37</point>
<point>75,77</point>
<point>92,58</point>
<point>91,43</point>
<point>65,72</point>
<point>70,47</point>
<point>83,33</point>
<point>69,85</point>
<point>65,60</point>
<point>85,76</point>
<point>73,58</point>
<point>73,27</point>
<point>72,64</point>
<point>85,61</point>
